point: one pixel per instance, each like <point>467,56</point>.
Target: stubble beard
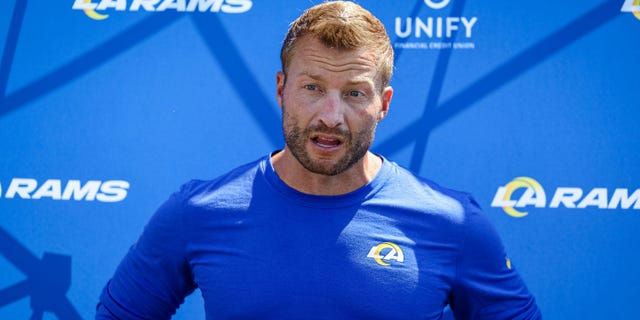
<point>296,139</point>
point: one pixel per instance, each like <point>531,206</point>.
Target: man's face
<point>331,104</point>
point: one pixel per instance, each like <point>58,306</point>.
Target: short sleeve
<point>487,286</point>
<point>154,277</point>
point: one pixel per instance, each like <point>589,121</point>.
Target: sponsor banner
<point>436,31</point>
<point>100,9</point>
<point>532,194</point>
<point>632,6</point>
<point>65,190</point>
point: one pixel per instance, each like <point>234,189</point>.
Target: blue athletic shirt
<point>400,247</point>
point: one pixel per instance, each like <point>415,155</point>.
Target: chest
<point>352,264</point>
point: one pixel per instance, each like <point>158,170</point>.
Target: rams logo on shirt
<point>386,252</point>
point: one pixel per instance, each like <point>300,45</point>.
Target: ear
<point>387,93</point>
<point>280,80</point>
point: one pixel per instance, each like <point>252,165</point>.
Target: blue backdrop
<point>108,106</point>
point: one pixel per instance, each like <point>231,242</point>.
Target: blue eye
<point>355,93</point>
<point>311,87</point>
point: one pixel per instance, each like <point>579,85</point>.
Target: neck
<point>297,177</point>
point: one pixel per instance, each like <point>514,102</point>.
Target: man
<point>323,229</point>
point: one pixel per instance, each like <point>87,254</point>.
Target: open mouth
<point>326,141</point>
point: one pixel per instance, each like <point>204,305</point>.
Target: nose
<point>331,112</point>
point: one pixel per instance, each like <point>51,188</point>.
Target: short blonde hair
<point>345,26</point>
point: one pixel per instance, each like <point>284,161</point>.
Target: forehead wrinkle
<point>358,71</point>
<point>312,48</point>
<point>356,80</point>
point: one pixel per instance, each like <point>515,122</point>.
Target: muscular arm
<point>487,287</point>
<point>154,277</point>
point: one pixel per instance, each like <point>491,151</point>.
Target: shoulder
<point>406,176</point>
<point>429,196</point>
<point>232,186</point>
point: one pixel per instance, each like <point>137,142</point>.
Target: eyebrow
<point>310,75</point>
<point>350,81</point>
